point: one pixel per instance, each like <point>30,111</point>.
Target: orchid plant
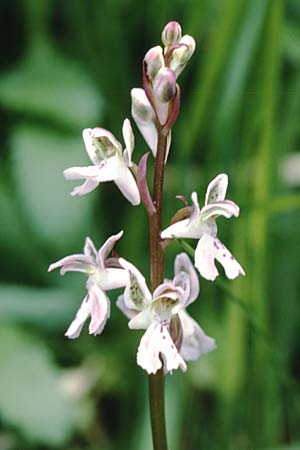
<point>171,336</point>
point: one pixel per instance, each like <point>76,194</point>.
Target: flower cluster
<point>171,336</point>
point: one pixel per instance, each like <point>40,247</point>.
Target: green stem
<point>156,381</point>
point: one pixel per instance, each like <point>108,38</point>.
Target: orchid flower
<point>102,276</point>
<point>110,164</point>
<point>171,334</point>
<point>202,225</point>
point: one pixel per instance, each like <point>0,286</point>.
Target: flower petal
<point>205,254</point>
<point>194,341</point>
<point>210,248</point>
<point>184,229</point>
<point>128,186</point>
<point>154,342</point>
<point>184,264</point>
<point>129,313</point>
<point>100,310</point>
<point>78,173</point>
<point>106,145</point>
<point>76,263</point>
<point>141,320</point>
<point>88,186</point>
<point>110,278</point>
<point>225,208</point>
<point>82,314</point>
<point>106,248</point>
<point>90,249</point>
<point>144,117</point>
<point>136,295</point>
<point>216,190</point>
<point>129,142</point>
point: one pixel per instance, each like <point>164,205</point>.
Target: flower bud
<point>171,33</point>
<point>141,107</point>
<point>164,85</point>
<point>154,61</point>
<point>181,55</point>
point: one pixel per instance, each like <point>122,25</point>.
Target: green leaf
<point>31,394</point>
<point>51,87</point>
<point>39,158</point>
<point>46,308</point>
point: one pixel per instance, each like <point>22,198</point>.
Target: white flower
<point>102,276</point>
<point>202,225</point>
<point>171,334</point>
<point>110,164</point>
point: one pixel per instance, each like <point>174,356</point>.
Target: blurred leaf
<point>39,158</point>
<point>31,397</point>
<point>51,87</point>
<point>47,308</point>
<point>286,447</point>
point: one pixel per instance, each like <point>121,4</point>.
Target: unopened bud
<point>171,34</point>
<point>141,107</point>
<point>154,61</point>
<point>181,55</point>
<point>164,85</point>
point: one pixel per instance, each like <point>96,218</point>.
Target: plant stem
<point>156,381</point>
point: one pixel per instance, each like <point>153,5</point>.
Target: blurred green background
<point>69,65</point>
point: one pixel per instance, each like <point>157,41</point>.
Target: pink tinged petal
<point>102,133</point>
<point>205,254</point>
<point>88,186</point>
<point>144,116</point>
<point>90,249</point>
<point>210,248</point>
<point>184,264</point>
<point>184,229</point>
<point>195,206</point>
<point>136,295</point>
<point>82,314</point>
<point>76,263</point>
<point>232,268</point>
<point>111,278</point>
<point>100,310</point>
<point>155,342</point>
<point>216,190</point>
<point>106,248</point>
<point>90,146</point>
<point>129,313</point>
<point>224,208</point>
<point>128,186</point>
<point>194,341</point>
<point>78,173</point>
<point>141,320</point>
<point>129,142</point>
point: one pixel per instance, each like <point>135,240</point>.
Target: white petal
<point>107,247</point>
<point>88,186</point>
<point>90,147</point>
<point>142,320</point>
<point>136,295</point>
<point>184,229</point>
<point>205,254</point>
<point>232,268</point>
<point>100,310</point>
<point>78,173</point>
<point>154,342</point>
<point>128,186</point>
<point>144,117</point>
<point>91,135</point>
<point>196,207</point>
<point>194,341</point>
<point>184,264</point>
<point>225,208</point>
<point>130,313</point>
<point>111,278</point>
<point>210,248</point>
<point>129,141</point>
<point>216,190</point>
<point>76,263</point>
<point>82,314</point>
<point>90,249</point>
<point>102,133</point>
